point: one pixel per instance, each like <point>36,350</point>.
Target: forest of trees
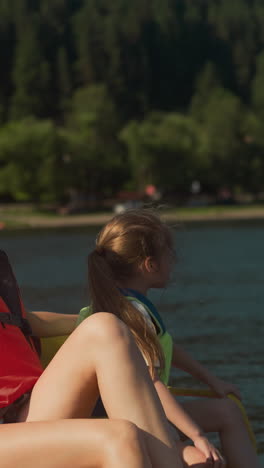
<point>103,96</point>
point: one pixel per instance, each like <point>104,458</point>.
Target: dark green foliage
<point>94,157</point>
<point>30,159</point>
<point>30,73</point>
<point>123,93</point>
<point>166,148</point>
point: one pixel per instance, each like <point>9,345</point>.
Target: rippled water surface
<point>213,306</point>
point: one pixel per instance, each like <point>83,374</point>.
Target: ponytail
<point>105,296</point>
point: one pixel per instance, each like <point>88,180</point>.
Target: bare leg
<point>101,356</point>
<point>222,415</point>
<point>72,443</point>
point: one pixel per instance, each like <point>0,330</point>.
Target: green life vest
<point>83,314</point>
<point>165,338</point>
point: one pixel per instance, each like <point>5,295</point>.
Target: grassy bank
<point>17,217</point>
<point>217,212</point>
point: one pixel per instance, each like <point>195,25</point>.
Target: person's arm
<point>177,415</point>
<point>187,363</point>
<point>46,324</point>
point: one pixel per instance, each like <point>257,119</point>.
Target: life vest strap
<point>17,321</point>
<point>9,294</point>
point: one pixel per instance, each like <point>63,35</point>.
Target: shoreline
<point>10,221</point>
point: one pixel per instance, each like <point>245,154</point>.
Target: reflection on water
<point>213,306</point>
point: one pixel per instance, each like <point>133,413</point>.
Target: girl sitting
<point>134,252</point>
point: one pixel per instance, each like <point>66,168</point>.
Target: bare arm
<point>175,412</point>
<point>177,415</point>
<point>187,363</point>
<point>46,324</point>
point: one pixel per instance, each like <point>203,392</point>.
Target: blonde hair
<point>123,244</point>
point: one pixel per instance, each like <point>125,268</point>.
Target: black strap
<point>9,292</point>
<point>20,322</point>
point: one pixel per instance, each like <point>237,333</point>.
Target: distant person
<point>195,187</point>
<point>152,192</point>
<point>224,196</point>
<point>134,252</point>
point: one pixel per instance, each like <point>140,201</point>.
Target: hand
<point>222,388</point>
<point>212,455</point>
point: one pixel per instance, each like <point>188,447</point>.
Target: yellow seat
<point>49,347</point>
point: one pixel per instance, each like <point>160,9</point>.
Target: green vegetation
<point>98,97</point>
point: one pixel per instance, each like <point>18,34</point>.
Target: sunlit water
<point>213,306</point>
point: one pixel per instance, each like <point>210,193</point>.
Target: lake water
<point>213,306</point>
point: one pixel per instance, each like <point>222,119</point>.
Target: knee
<point>104,327</point>
<point>229,412</point>
<point>190,455</point>
<point>125,438</point>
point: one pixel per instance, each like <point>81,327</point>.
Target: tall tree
<point>258,86</point>
<point>222,122</point>
<point>31,74</point>
<point>64,85</point>
<point>235,23</point>
<point>94,154</point>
